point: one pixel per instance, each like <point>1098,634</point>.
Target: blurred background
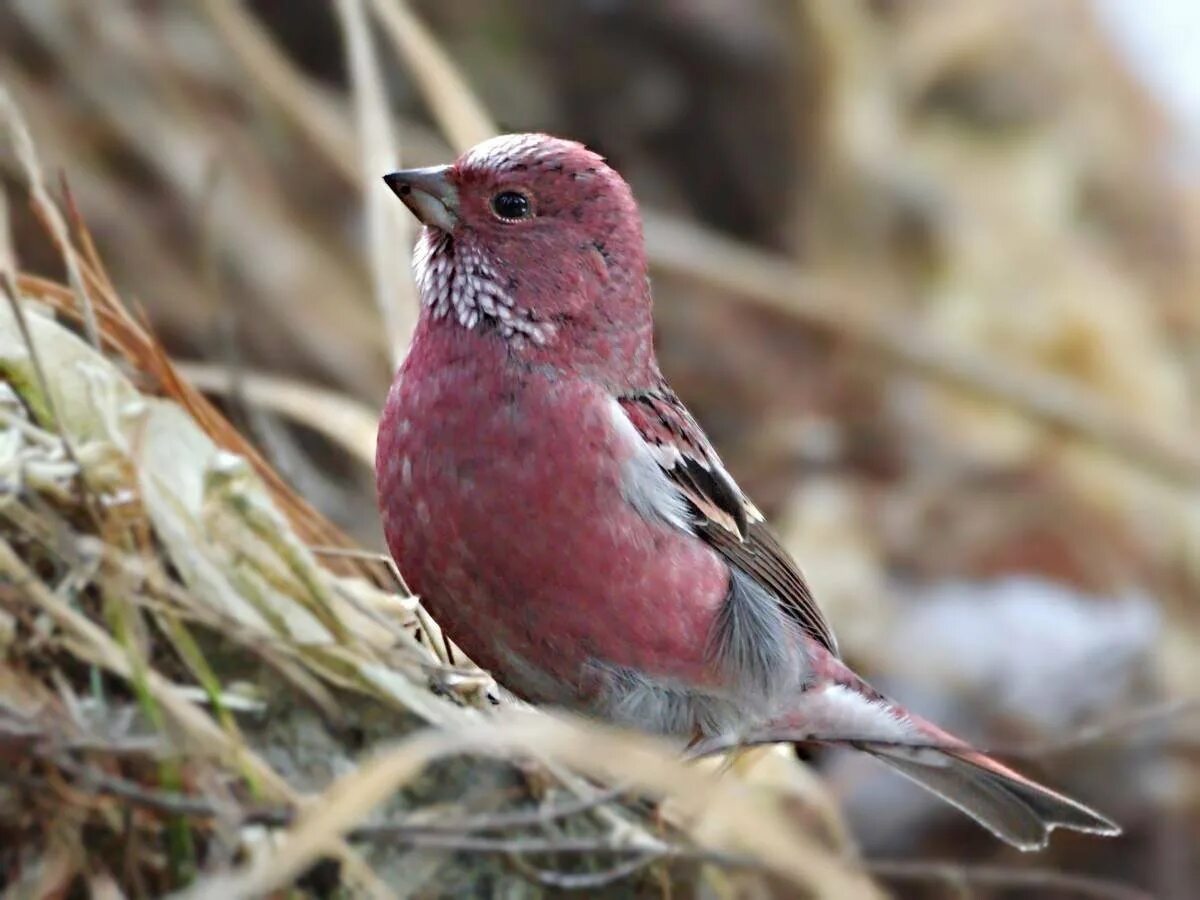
<point>927,271</point>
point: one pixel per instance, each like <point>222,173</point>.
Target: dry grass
<point>207,686</point>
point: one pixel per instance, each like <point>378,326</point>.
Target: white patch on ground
<point>1031,649</point>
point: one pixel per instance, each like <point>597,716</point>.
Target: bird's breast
<point>501,494</point>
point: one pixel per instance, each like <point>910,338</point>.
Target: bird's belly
<point>509,521</point>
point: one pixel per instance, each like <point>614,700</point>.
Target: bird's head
<point>537,239</point>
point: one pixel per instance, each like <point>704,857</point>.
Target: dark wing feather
<point>725,517</point>
<point>761,557</point>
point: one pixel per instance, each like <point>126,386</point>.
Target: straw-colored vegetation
<point>956,338</point>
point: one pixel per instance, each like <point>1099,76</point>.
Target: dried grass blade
<point>202,735</point>
<point>339,417</point>
<point>731,814</point>
<point>453,104</point>
<point>23,144</point>
<point>319,122</point>
<point>388,228</point>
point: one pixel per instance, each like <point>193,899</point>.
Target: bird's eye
<point>512,205</point>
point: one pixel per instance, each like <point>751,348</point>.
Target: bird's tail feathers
<point>1016,809</point>
<point>846,710</point>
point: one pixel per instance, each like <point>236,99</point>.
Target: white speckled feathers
<point>456,278</point>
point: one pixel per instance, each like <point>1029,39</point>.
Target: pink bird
<point>565,519</point>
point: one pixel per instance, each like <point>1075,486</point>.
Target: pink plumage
<point>563,516</point>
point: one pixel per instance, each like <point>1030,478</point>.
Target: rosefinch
<point>563,516</point>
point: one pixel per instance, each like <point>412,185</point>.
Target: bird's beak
<point>428,193</point>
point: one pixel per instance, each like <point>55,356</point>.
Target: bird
<point>563,516</point>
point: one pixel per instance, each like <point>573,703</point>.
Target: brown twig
<point>173,803</point>
<point>585,881</point>
<point>1121,729</point>
<point>461,836</point>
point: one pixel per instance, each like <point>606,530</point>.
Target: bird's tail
<point>846,710</point>
<point>1014,808</point>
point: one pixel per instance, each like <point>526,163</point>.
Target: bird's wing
<point>724,517</point>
